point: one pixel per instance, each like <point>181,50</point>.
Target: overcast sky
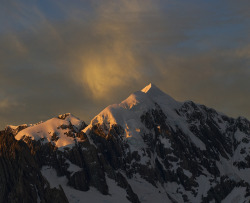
<point>80,56</point>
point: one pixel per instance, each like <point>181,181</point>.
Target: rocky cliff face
<point>20,176</point>
<point>149,148</point>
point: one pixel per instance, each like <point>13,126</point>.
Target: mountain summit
<point>128,112</point>
<point>151,88</point>
<point>156,94</point>
<point>148,148</point>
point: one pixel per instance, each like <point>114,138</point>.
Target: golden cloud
<point>111,63</point>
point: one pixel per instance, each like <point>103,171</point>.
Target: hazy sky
<point>79,56</point>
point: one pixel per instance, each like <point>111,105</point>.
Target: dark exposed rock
<point>14,131</point>
<point>20,176</point>
<point>122,182</point>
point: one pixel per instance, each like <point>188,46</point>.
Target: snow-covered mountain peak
<point>154,92</point>
<point>148,148</point>
<point>58,130</point>
<point>151,88</point>
<point>148,87</point>
<point>69,117</point>
<point>134,105</point>
<point>128,114</point>
<point>158,96</point>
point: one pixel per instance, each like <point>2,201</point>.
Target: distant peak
<point>67,116</point>
<point>151,88</point>
<point>63,116</point>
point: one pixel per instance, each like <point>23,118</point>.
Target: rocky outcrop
<point>20,176</point>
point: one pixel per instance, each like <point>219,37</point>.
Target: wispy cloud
<point>5,103</point>
<point>80,57</point>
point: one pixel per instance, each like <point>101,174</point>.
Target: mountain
<point>148,148</point>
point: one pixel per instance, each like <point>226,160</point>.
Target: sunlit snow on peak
<point>57,127</point>
<point>150,87</point>
<point>128,113</point>
<point>153,91</point>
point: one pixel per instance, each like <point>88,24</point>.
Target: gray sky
<point>80,56</point>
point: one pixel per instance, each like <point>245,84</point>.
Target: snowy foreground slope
<point>148,148</point>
